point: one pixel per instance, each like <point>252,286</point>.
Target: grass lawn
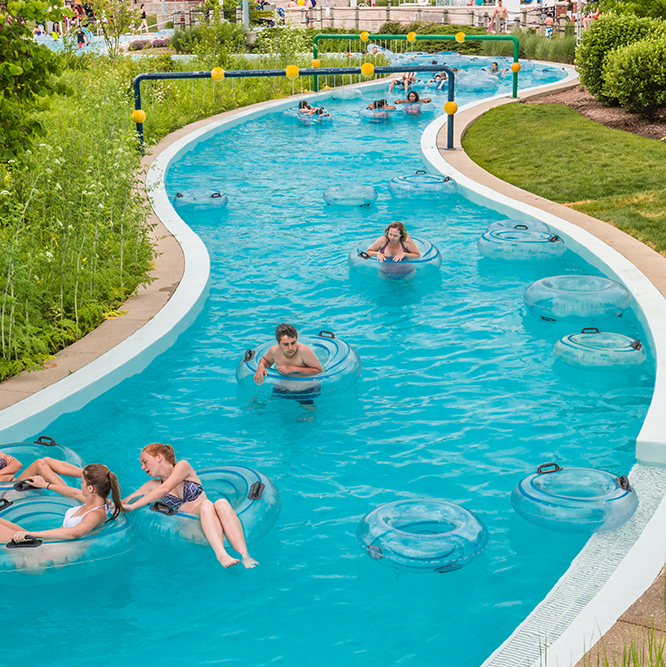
<point>554,152</point>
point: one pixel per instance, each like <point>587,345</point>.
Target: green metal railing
<point>415,38</point>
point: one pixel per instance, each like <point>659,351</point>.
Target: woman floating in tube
<point>394,245</point>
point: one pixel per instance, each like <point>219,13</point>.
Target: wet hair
<point>303,104</point>
<point>285,330</point>
<point>166,451</point>
<point>105,483</point>
<point>494,63</point>
<point>400,227</point>
<point>379,104</point>
<point>413,92</point>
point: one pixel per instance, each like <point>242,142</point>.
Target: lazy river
<point>460,397</point>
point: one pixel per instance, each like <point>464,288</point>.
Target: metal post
<point>246,14</point>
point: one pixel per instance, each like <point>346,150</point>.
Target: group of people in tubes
<point>172,482</point>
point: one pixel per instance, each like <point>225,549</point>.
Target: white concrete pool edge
<point>613,569</point>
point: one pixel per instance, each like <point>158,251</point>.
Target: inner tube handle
<point>256,491</point>
<point>5,503</point>
<point>30,542</point>
<point>326,334</point>
<point>521,227</point>
<point>45,440</point>
<point>421,171</point>
<point>543,468</point>
<point>375,552</point>
<point>590,330</point>
<point>623,482</point>
<point>215,195</point>
<point>637,345</point>
<point>249,355</point>
<point>447,179</point>
<point>554,238</point>
<point>364,254</point>
<point>24,485</point>
<point>179,195</point>
<point>163,508</point>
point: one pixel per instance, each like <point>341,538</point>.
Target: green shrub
<point>212,38</point>
<point>635,75</point>
<point>609,32</point>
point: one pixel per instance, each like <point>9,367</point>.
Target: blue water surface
<point>460,397</point>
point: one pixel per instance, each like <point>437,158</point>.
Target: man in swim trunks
<point>290,356</point>
<point>500,11</point>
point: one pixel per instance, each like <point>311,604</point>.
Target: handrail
<point>315,71</point>
<point>436,38</point>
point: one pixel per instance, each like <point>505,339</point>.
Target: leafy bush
<point>139,44</point>
<point>635,75</point>
<point>160,42</point>
<point>605,34</point>
<point>213,38</point>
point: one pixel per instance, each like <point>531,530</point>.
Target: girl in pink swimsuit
<point>394,245</point>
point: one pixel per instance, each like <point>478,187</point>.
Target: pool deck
<point>646,612</point>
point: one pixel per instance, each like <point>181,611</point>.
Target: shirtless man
<point>503,15</point>
<point>290,356</point>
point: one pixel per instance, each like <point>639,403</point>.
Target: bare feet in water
<point>249,562</point>
<point>227,561</point>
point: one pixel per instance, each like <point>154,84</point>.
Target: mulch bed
<point>614,117</point>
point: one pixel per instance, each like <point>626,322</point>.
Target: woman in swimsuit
<point>47,468</point>
<point>395,243</point>
<point>413,98</point>
<point>97,483</point>
<point>176,484</point>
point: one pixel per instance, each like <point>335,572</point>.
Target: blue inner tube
<point>29,452</point>
<point>422,186</point>
<point>600,350</point>
<point>477,81</point>
<point>340,363</point>
<point>429,262</point>
<point>58,561</point>
<point>518,245</point>
<point>254,497</point>
<point>350,195</point>
<point>576,298</point>
<point>525,225</point>
<point>574,500</point>
<point>422,535</point>
<point>202,198</point>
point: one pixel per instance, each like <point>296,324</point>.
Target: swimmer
<point>413,98</point>
<point>381,105</point>
<point>439,80</point>
<point>48,468</point>
<point>290,356</point>
<point>494,69</point>
<point>97,483</point>
<point>305,108</point>
<point>408,79</point>
<point>175,484</point>
<point>395,243</point>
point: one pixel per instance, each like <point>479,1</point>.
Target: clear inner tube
<point>518,245</point>
<point>422,185</point>
<point>599,350</point>
<point>350,195</point>
<point>519,224</point>
<point>576,298</point>
<point>429,262</point>
<point>579,500</point>
<point>201,198</point>
<point>422,535</point>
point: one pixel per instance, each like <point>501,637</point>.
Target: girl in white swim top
<point>97,483</point>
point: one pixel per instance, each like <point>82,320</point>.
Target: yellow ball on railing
<point>411,36</point>
<point>450,108</point>
<point>460,37</point>
<point>138,115</point>
<point>515,67</point>
<point>367,70</point>
<point>301,3</point>
<point>217,74</point>
<point>315,62</point>
<point>292,72</point>
<point>365,36</point>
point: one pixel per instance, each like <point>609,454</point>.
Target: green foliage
<point>114,19</point>
<point>560,49</point>
<point>214,40</point>
<point>556,153</point>
<point>283,45</point>
<point>649,8</point>
<point>609,32</point>
<point>469,48</point>
<point>635,75</point>
<point>27,72</point>
<point>73,240</point>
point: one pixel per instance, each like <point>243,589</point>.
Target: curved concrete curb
<point>614,568</point>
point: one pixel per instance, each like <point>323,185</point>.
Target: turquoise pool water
<point>460,398</point>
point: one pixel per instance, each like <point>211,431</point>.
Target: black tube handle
<point>326,334</point>
<point>29,543</point>
<point>163,508</point>
<point>521,227</point>
<point>590,330</point>
<point>623,482</point>
<point>24,485</point>
<point>364,254</point>
<point>249,355</point>
<point>637,345</point>
<point>554,238</point>
<point>5,503</point>
<point>45,440</point>
<point>216,195</point>
<point>256,491</point>
<point>543,468</point>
